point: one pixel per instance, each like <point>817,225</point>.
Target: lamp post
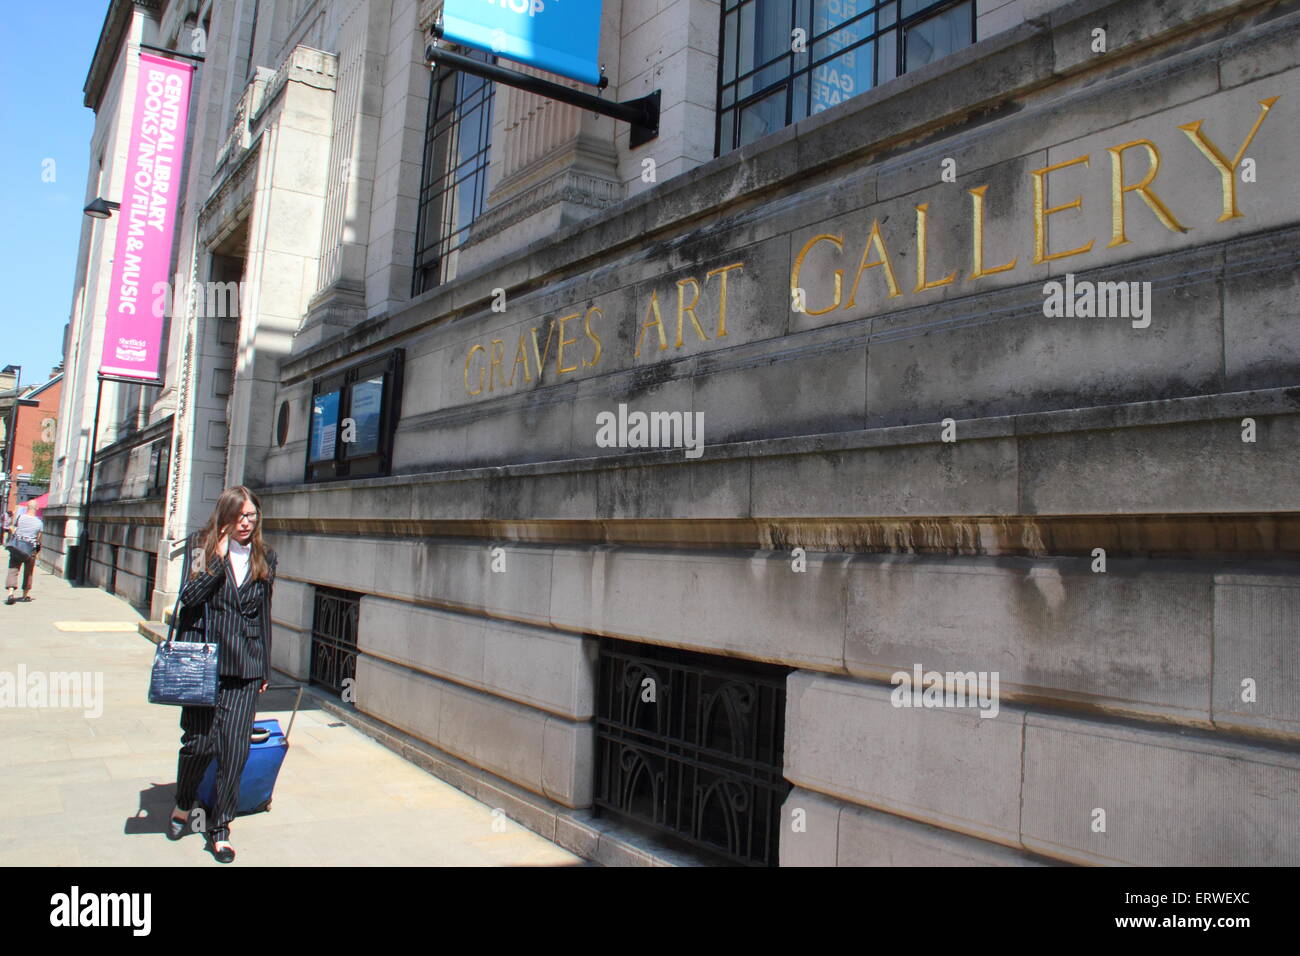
<point>9,432</point>
<point>98,208</point>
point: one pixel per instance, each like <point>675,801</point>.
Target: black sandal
<point>176,828</point>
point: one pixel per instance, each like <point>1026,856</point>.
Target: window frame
<point>340,466</point>
<point>800,68</point>
<point>429,260</point>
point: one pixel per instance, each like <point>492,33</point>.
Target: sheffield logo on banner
<point>562,36</point>
<point>133,333</point>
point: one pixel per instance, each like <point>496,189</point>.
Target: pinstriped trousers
<point>221,732</point>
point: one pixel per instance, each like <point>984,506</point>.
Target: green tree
<point>42,459</point>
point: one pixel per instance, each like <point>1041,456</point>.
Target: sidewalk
<point>81,789</point>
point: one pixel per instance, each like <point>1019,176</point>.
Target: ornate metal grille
<point>692,746</point>
<point>334,638</point>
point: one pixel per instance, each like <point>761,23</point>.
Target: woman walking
<point>27,529</point>
<point>225,600</point>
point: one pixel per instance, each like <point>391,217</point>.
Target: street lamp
<point>101,208</point>
<point>17,371</point>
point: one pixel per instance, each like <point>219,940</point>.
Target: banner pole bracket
<point>641,113</point>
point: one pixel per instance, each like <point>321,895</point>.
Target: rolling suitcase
<point>265,756</point>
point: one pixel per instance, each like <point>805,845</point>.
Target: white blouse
<point>239,560</point>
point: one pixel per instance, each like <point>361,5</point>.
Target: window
<point>700,758</point>
<point>334,638</point>
<point>159,456</point>
<point>353,417</point>
<point>453,184</point>
<point>769,76</point>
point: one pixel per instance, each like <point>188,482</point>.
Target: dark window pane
<point>452,187</point>
<point>365,413</point>
<point>938,36</point>
<point>745,51</point>
<point>726,139</point>
<point>799,108</point>
<point>888,56</point>
<point>774,29</point>
<point>830,13</point>
<point>765,116</point>
<point>847,75</point>
<point>729,47</point>
<point>324,426</point>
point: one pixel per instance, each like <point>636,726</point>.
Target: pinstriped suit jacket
<point>235,618</point>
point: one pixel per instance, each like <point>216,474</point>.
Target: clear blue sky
<point>47,50</point>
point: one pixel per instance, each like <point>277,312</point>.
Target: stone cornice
<point>247,163</point>
<point>116,21</point>
<point>303,64</point>
<point>568,186</point>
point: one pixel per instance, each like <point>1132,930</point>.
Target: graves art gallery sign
<point>133,343</point>
<point>849,269</point>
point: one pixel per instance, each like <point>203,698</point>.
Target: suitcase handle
<point>297,701</point>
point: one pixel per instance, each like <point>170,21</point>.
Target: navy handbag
<point>184,672</point>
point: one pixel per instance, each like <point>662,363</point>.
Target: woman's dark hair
<point>225,516</point>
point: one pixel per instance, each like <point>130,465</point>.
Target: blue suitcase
<point>257,782</point>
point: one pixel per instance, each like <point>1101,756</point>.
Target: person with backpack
<point>24,544</point>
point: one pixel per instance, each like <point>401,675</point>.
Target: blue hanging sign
<point>562,36</point>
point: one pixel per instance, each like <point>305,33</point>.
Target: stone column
<point>292,126</point>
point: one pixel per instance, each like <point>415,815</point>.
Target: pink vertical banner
<point>133,343</point>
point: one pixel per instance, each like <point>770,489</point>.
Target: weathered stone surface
<point>1257,639</point>
<point>1134,639</point>
<point>542,668</point>
<point>1202,467</point>
<point>951,768</point>
<point>843,834</point>
<point>1170,799</point>
<point>757,608</point>
<point>539,752</point>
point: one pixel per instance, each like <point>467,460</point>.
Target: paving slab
<point>93,784</point>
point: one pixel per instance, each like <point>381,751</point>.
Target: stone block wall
<point>951,459</point>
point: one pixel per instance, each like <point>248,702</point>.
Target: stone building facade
<point>991,333</point>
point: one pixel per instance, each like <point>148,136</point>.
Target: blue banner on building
<point>562,36</point>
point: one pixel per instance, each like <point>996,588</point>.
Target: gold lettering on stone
<point>977,270</point>
<point>684,310</point>
<point>1227,171</point>
<point>922,215</point>
<point>1040,214</point>
<point>657,324</point>
<point>1142,188</point>
<point>722,271</point>
<point>838,243</point>
<point>559,353</point>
